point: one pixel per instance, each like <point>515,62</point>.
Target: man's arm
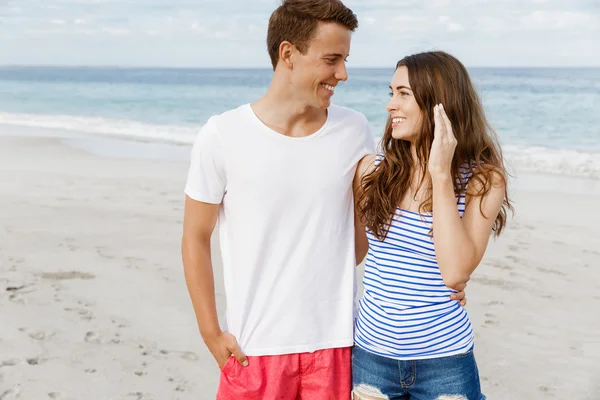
<point>198,224</point>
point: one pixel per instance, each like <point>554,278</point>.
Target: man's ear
<point>286,54</point>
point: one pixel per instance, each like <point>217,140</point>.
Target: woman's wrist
<point>440,178</point>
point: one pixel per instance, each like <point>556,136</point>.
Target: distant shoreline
<point>265,68</point>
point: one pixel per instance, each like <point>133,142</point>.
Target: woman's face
<point>407,117</point>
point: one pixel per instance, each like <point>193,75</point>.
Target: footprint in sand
<point>550,271</point>
<point>18,292</point>
<point>139,396</point>
<point>96,338</point>
<point>14,288</point>
<point>83,313</point>
<point>11,394</point>
<point>9,363</point>
<point>33,361</point>
<point>501,265</point>
<point>182,387</point>
<point>59,396</point>
<point>120,324</point>
<point>499,283</point>
<point>103,252</point>
<point>135,262</point>
<point>63,276</point>
<point>41,335</point>
<point>548,391</point>
<point>69,243</point>
<point>186,355</point>
<point>17,260</point>
<point>513,258</point>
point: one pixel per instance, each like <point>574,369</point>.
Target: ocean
<point>547,118</point>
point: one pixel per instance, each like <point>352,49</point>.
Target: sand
<point>93,303</point>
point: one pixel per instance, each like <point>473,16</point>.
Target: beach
<point>93,303</point>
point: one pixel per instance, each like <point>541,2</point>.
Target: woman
<point>439,158</point>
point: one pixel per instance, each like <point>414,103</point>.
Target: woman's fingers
<point>436,121</point>
<point>446,121</point>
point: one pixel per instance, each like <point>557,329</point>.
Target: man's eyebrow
<point>401,87</point>
<point>335,55</point>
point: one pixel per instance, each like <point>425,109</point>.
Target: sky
<point>231,33</point>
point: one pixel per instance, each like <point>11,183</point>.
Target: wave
<point>556,161</point>
<point>104,126</point>
<point>519,158</point>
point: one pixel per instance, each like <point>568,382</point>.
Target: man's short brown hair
<point>296,21</point>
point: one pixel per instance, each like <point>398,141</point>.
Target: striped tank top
<point>405,312</point>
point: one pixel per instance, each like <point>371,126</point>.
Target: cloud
<point>450,25</point>
<point>553,20</point>
<point>115,31</point>
<point>215,31</point>
<point>455,27</point>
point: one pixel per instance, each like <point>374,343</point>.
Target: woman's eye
<point>391,94</point>
<point>404,93</point>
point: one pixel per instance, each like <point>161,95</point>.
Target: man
<point>277,175</point>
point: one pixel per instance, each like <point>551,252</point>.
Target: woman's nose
<point>391,106</point>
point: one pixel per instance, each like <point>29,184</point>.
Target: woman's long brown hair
<point>435,77</point>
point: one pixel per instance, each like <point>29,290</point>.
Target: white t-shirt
<point>286,226</point>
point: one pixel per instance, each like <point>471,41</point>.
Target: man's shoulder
<point>229,116</point>
<point>347,121</point>
<point>226,122</point>
<point>346,113</point>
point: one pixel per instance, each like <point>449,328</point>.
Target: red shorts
<point>322,375</point>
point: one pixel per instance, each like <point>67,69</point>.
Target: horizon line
<point>116,66</point>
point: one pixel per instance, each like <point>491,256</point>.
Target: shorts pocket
<point>229,367</point>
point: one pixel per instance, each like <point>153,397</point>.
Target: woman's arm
<point>361,244</point>
<point>459,243</point>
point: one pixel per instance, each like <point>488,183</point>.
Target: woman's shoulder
<point>483,176</point>
<point>368,163</point>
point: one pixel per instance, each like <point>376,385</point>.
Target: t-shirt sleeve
<point>206,180</point>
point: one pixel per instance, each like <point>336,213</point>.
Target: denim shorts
<point>444,378</point>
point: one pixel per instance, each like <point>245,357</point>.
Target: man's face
<point>316,73</point>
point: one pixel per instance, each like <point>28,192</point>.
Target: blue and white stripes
<point>406,312</point>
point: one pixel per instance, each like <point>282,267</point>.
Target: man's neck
<point>283,111</point>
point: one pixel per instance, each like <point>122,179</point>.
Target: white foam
<point>519,158</point>
<point>554,161</point>
<point>104,126</point>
